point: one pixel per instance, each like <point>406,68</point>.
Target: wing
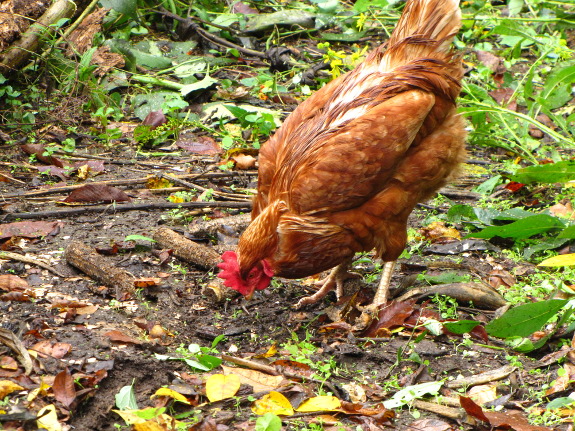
<point>344,166</point>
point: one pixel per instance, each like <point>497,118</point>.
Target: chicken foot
<point>369,312</point>
<point>334,281</point>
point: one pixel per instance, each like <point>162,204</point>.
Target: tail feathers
<point>436,20</point>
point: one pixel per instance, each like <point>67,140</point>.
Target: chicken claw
<point>334,281</point>
<point>370,312</point>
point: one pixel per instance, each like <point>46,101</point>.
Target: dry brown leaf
<point>63,388</point>
<point>120,337</point>
<point>10,282</point>
<point>244,161</point>
<point>483,394</point>
<point>259,381</point>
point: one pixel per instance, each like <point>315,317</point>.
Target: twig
<point>67,189</point>
<point>223,195</point>
<point>122,208</point>
<point>8,338</point>
<point>478,379</point>
<point>211,37</point>
<point>31,261</point>
<point>274,372</point>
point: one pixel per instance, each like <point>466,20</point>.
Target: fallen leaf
<point>63,388</point>
<point>166,392</point>
<point>243,161</point>
<point>275,403</point>
<point>30,229</point>
<point>12,282</point>
<point>48,419</point>
<point>120,337</point>
<point>97,193</point>
<point>220,386</point>
<point>483,394</point>
<point>261,382</point>
<point>429,425</point>
<point>319,404</point>
<point>7,387</point>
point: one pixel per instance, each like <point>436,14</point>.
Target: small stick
<point>97,267</point>
<point>478,379</point>
<point>66,189</point>
<point>448,412</point>
<point>9,339</point>
<point>122,208</point>
<point>203,189</point>
<point>30,260</point>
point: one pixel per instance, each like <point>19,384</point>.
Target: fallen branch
<point>185,249</point>
<point>479,379</point>
<point>113,209</point>
<point>31,261</point>
<point>67,189</point>
<point>481,295</point>
<point>29,42</point>
<point>97,267</point>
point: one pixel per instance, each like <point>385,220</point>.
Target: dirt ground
<point>102,363</point>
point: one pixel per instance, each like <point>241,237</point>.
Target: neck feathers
<point>260,239</point>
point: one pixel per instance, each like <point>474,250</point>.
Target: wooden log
<point>185,249</point>
<point>29,42</point>
<point>97,267</point>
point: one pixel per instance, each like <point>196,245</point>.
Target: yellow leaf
<point>219,387</point>
<point>318,404</point>
<point>271,352</point>
<point>165,392</point>
<point>150,426</point>
<point>7,387</point>
<point>141,421</point>
<point>49,419</point>
<point>561,260</point>
<point>483,394</point>
<point>259,381</point>
<point>275,403</point>
<point>129,416</point>
<point>42,390</point>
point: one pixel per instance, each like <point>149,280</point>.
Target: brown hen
<point>348,166</point>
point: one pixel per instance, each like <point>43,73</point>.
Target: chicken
<point>348,166</point>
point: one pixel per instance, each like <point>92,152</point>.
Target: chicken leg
<point>369,312</point>
<point>334,281</point>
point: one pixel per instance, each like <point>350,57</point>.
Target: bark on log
<point>97,267</point>
<point>20,51</point>
<point>185,249</point>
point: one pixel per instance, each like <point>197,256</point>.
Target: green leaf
<point>208,81</point>
<point>560,402</point>
<point>461,327</point>
<point>521,229</point>
<point>524,320</point>
<point>138,238</point>
<point>209,361</point>
<point>126,398</point>
<point>515,7</point>
<point>560,172</point>
<point>486,187</point>
<point>568,232</point>
<point>268,422</point>
<point>195,364</point>
<point>410,393</point>
<point>127,7</point>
